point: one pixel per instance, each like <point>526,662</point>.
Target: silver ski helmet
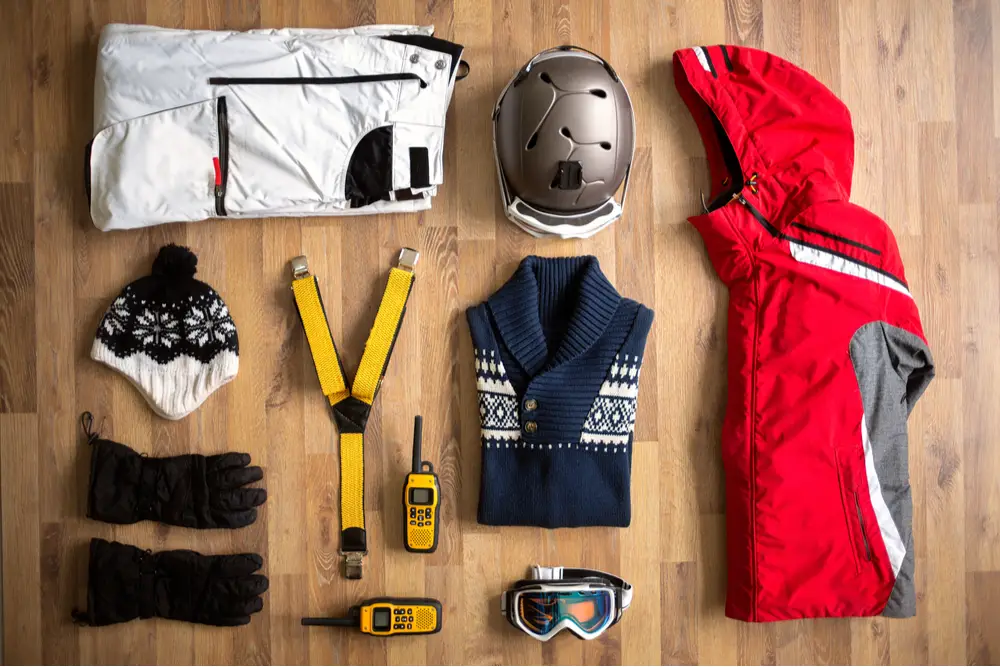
<point>563,139</point>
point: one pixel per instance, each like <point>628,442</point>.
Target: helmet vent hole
<point>565,132</point>
<point>597,92</point>
<point>606,145</point>
<point>532,141</point>
<point>544,76</point>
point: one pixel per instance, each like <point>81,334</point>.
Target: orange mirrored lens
<point>583,611</point>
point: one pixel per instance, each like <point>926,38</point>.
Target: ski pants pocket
<point>168,166</point>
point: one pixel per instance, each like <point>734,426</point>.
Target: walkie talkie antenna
<point>418,428</point>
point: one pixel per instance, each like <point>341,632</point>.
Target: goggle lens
<point>589,611</point>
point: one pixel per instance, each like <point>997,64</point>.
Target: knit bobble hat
<point>170,335</point>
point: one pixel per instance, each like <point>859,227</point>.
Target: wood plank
<point>974,119</point>
<point>717,641</point>
<point>944,480</point>
<point>859,48</point>
<point>983,634</point>
<point>745,22</point>
<point>477,206</point>
<point>21,545</point>
<point>641,638</point>
<point>941,279</point>
<point>17,299</point>
<point>52,90</point>
<point>16,80</point>
<point>980,324</point>
<point>679,631</point>
<point>870,641</point>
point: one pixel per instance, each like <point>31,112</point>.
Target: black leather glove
<point>126,582</point>
<point>192,490</point>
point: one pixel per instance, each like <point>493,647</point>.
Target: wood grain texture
<point>923,86</point>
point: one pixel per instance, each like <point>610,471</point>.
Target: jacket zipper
<point>772,230</point>
<point>222,172</point>
<point>864,533</point>
<point>312,80</point>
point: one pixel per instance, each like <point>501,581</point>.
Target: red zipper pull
<point>218,173</point>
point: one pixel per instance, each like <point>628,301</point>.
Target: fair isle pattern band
<point>611,420</point>
<point>498,409</point>
<point>609,424</point>
<point>548,446</point>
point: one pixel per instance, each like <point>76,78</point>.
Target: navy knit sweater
<point>558,353</point>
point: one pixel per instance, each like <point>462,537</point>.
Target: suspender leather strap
<point>351,407</point>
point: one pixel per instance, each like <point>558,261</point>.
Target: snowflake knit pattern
<point>172,336</point>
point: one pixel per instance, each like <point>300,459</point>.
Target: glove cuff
<point>121,584</point>
<point>118,488</point>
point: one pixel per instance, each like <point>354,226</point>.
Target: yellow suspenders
<point>352,406</point>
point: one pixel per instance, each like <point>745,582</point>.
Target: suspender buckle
<point>300,267</point>
<point>352,563</point>
<point>407,259</point>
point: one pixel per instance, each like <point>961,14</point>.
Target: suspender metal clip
<point>408,258</point>
<point>300,267</point>
<point>353,563</point>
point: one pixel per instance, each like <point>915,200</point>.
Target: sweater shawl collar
<point>544,293</point>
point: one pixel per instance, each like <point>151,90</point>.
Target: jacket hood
<point>768,124</point>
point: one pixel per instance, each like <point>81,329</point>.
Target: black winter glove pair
<point>126,583</point>
<point>192,491</point>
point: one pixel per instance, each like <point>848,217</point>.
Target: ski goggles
<point>587,602</point>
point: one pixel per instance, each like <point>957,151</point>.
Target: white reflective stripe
<point>890,534</point>
<point>827,260</point>
<point>702,58</point>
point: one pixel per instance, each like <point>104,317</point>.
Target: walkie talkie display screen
<point>381,620</point>
<point>421,496</point>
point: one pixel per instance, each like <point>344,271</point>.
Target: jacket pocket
<point>862,543</point>
<point>169,166</point>
<point>221,163</point>
<point>369,169</point>
<point>394,162</point>
<point>314,80</point>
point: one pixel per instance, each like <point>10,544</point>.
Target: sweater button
<point>530,405</point>
<point>530,427</point>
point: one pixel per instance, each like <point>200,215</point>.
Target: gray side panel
<point>893,367</point>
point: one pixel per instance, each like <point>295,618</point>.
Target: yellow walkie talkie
<point>421,500</point>
<point>386,617</point>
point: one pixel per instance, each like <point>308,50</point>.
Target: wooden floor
<point>922,80</point>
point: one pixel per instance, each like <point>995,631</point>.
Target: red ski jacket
<point>826,353</point>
